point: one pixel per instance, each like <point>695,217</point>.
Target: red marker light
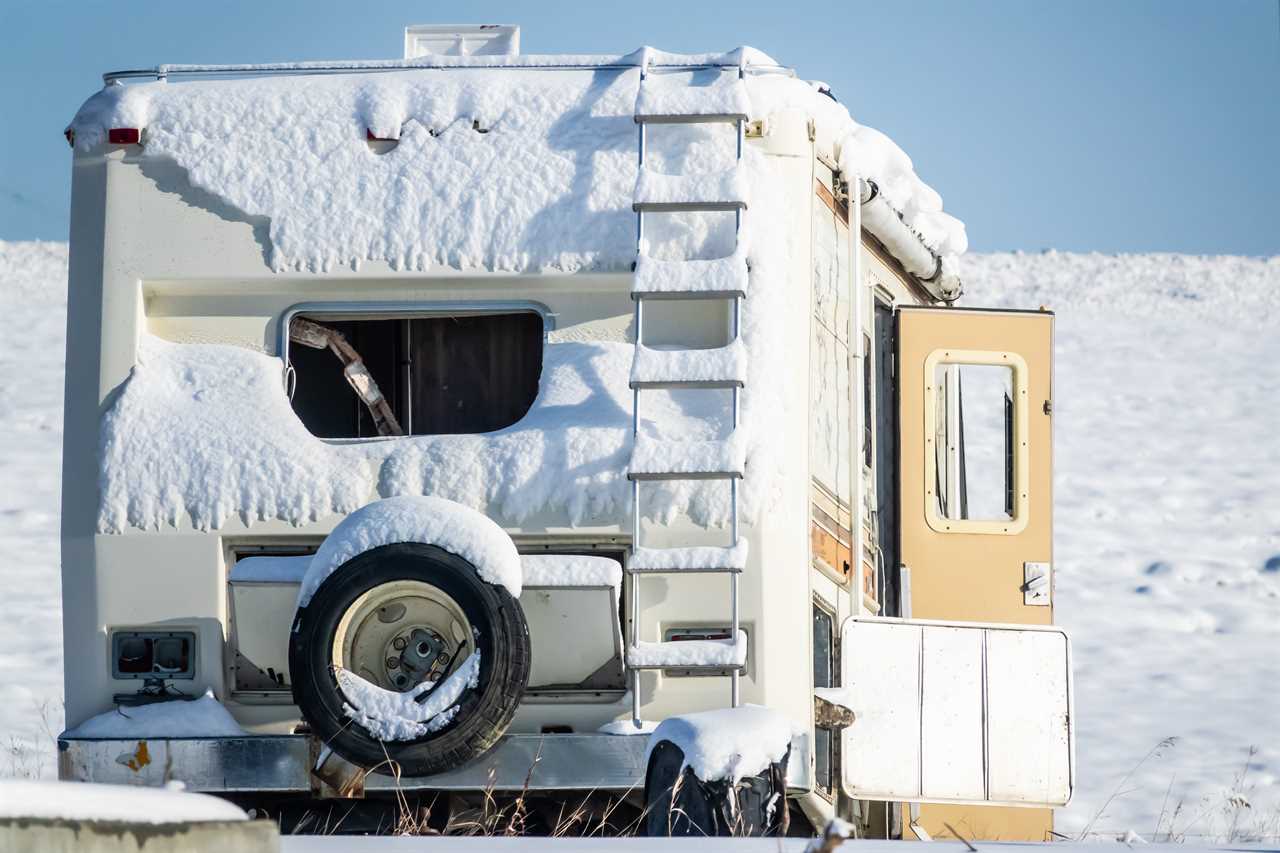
<point>124,135</point>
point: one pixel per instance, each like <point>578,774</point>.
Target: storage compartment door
<point>957,713</point>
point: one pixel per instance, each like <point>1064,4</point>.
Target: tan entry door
<point>976,490</point>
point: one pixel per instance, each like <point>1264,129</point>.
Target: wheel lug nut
<point>392,663</point>
<point>399,643</point>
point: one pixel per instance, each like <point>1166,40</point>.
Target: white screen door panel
<point>958,712</point>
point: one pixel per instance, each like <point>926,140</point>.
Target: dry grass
<point>29,758</point>
<point>1226,817</point>
<point>490,813</point>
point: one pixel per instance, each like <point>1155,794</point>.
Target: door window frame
<point>1021,455</point>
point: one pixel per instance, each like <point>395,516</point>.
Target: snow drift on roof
<point>523,170</point>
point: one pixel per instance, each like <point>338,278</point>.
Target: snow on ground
<point>33,301</point>
<point>1168,521</point>
<point>1167,539</point>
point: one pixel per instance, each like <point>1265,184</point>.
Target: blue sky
<point>1117,126</point>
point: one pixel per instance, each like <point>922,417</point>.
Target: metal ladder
<point>725,280</point>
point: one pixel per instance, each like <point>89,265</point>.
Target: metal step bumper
<point>281,764</point>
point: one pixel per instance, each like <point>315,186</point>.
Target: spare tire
<point>397,616</point>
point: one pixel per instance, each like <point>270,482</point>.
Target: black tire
<point>484,712</point>
<point>680,805</point>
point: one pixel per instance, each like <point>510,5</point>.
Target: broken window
<point>357,378</point>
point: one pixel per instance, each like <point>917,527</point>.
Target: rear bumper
<point>282,763</point>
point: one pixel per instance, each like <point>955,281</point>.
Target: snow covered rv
<point>441,425</point>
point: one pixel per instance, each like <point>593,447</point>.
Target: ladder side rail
<point>734,677</point>
<point>634,631</point>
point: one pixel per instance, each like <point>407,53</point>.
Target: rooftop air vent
<point>461,40</point>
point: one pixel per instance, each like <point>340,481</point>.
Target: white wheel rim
<point>401,633</point>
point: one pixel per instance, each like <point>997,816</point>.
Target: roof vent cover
<point>461,40</point>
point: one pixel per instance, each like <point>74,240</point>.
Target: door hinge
<point>1048,407</point>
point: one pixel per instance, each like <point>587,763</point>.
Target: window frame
<point>1021,433</point>
<point>398,310</point>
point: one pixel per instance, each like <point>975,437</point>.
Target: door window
<point>976,459</point>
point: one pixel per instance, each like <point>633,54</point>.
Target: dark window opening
<point>825,674</point>
<point>823,648</point>
<point>824,742</point>
<point>886,458</point>
<point>414,376</point>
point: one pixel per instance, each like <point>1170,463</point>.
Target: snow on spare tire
<point>409,651</point>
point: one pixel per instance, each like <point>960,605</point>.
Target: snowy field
<point>1167,546</point>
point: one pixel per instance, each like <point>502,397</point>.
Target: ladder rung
<point>677,384</point>
<point>655,459</point>
<point>701,570</point>
<point>660,95</point>
<point>687,294</point>
<point>687,206</point>
<point>692,655</point>
<point>690,118</point>
<point>695,559</point>
<point>684,475</point>
<point>656,192</point>
<point>696,279</point>
<point>719,367</point>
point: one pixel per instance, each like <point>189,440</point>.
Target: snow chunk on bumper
<point>729,743</point>
<point>431,521</point>
<point>203,717</point>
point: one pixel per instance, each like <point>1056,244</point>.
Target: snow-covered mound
<point>1167,545</point>
<point>123,803</point>
<point>729,743</point>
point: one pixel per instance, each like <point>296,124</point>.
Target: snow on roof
<point>528,171</point>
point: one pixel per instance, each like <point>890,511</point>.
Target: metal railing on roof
<point>164,72</point>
